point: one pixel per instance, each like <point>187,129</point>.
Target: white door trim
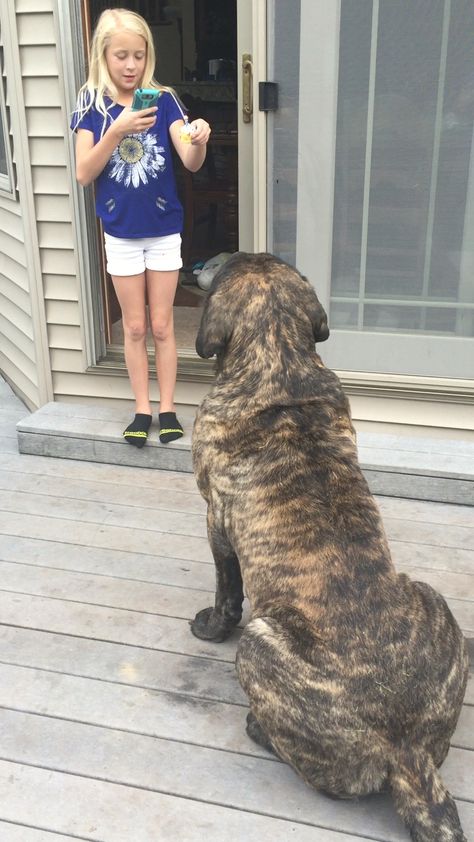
<point>251,39</point>
<point>319,63</point>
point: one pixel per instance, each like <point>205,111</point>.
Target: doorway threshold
<point>395,465</point>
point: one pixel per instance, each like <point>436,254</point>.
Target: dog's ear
<point>214,330</point>
<point>317,314</point>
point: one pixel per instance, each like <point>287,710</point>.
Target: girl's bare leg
<point>130,292</point>
<point>161,287</point>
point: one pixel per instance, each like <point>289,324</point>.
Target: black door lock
<point>267,96</point>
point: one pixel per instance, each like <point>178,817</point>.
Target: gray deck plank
<point>417,444</point>
<point>21,833</point>
<point>132,567</point>
<point>89,503</point>
<point>463,610</point>
<point>8,398</point>
<point>10,414</point>
<point>75,469</point>
<point>451,585</point>
<point>8,446</point>
<point>426,556</point>
<point>196,575</point>
<point>9,439</point>
<point>430,534</point>
<point>104,492</point>
<point>97,472</point>
<point>453,465</point>
<point>193,547</point>
<point>146,597</point>
<point>167,600</point>
<point>138,667</point>
<point>101,535</point>
<point>426,512</point>
<point>257,785</point>
<point>122,664</point>
<point>107,698</point>
<point>110,514</point>
<point>463,737</point>
<point>104,562</point>
<point>179,495</point>
<point>106,812</point>
<point>192,719</point>
<point>194,523</point>
<point>411,484</point>
<point>110,624</point>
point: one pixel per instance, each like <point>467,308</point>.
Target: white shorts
<point>132,257</point>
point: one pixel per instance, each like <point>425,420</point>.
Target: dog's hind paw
<point>209,625</point>
<point>257,734</point>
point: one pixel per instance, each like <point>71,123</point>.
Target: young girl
<point>128,155</point>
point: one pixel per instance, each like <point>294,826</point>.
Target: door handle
<point>247,92</point>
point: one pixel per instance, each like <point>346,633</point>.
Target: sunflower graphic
<point>136,159</point>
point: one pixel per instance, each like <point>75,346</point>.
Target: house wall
<point>18,359</point>
<point>17,348</point>
<point>40,321</point>
<point>46,123</point>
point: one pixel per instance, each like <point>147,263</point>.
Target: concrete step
<point>394,465</point>
<point>94,434</point>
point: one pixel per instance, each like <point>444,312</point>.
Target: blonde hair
<point>99,84</point>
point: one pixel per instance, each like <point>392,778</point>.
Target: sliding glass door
<point>374,199</point>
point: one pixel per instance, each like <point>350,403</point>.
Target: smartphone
<point>145,98</point>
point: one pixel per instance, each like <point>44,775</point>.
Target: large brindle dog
<point>355,674</point>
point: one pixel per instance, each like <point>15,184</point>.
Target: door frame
<point>252,40</point>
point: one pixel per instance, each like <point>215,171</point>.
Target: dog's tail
<point>422,800</point>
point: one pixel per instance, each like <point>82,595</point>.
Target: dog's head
<point>255,294</point>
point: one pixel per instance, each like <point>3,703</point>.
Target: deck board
<point>107,698</point>
<point>101,810</point>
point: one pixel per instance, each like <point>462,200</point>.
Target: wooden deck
<point>116,724</point>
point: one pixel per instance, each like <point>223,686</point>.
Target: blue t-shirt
<point>136,191</point>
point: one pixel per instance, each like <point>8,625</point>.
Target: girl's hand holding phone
<point>134,122</point>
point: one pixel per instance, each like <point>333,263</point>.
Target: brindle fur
<point>355,674</point>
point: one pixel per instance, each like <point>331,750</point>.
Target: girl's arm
<point>192,154</point>
<point>92,158</point>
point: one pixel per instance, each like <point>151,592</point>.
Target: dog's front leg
<point>217,623</point>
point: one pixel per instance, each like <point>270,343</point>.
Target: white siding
<point>50,182</point>
<point>41,323</point>
<point>17,347</point>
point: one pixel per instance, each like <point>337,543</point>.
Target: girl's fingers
<point>202,132</point>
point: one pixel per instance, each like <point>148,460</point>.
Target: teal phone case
<point>145,98</point>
